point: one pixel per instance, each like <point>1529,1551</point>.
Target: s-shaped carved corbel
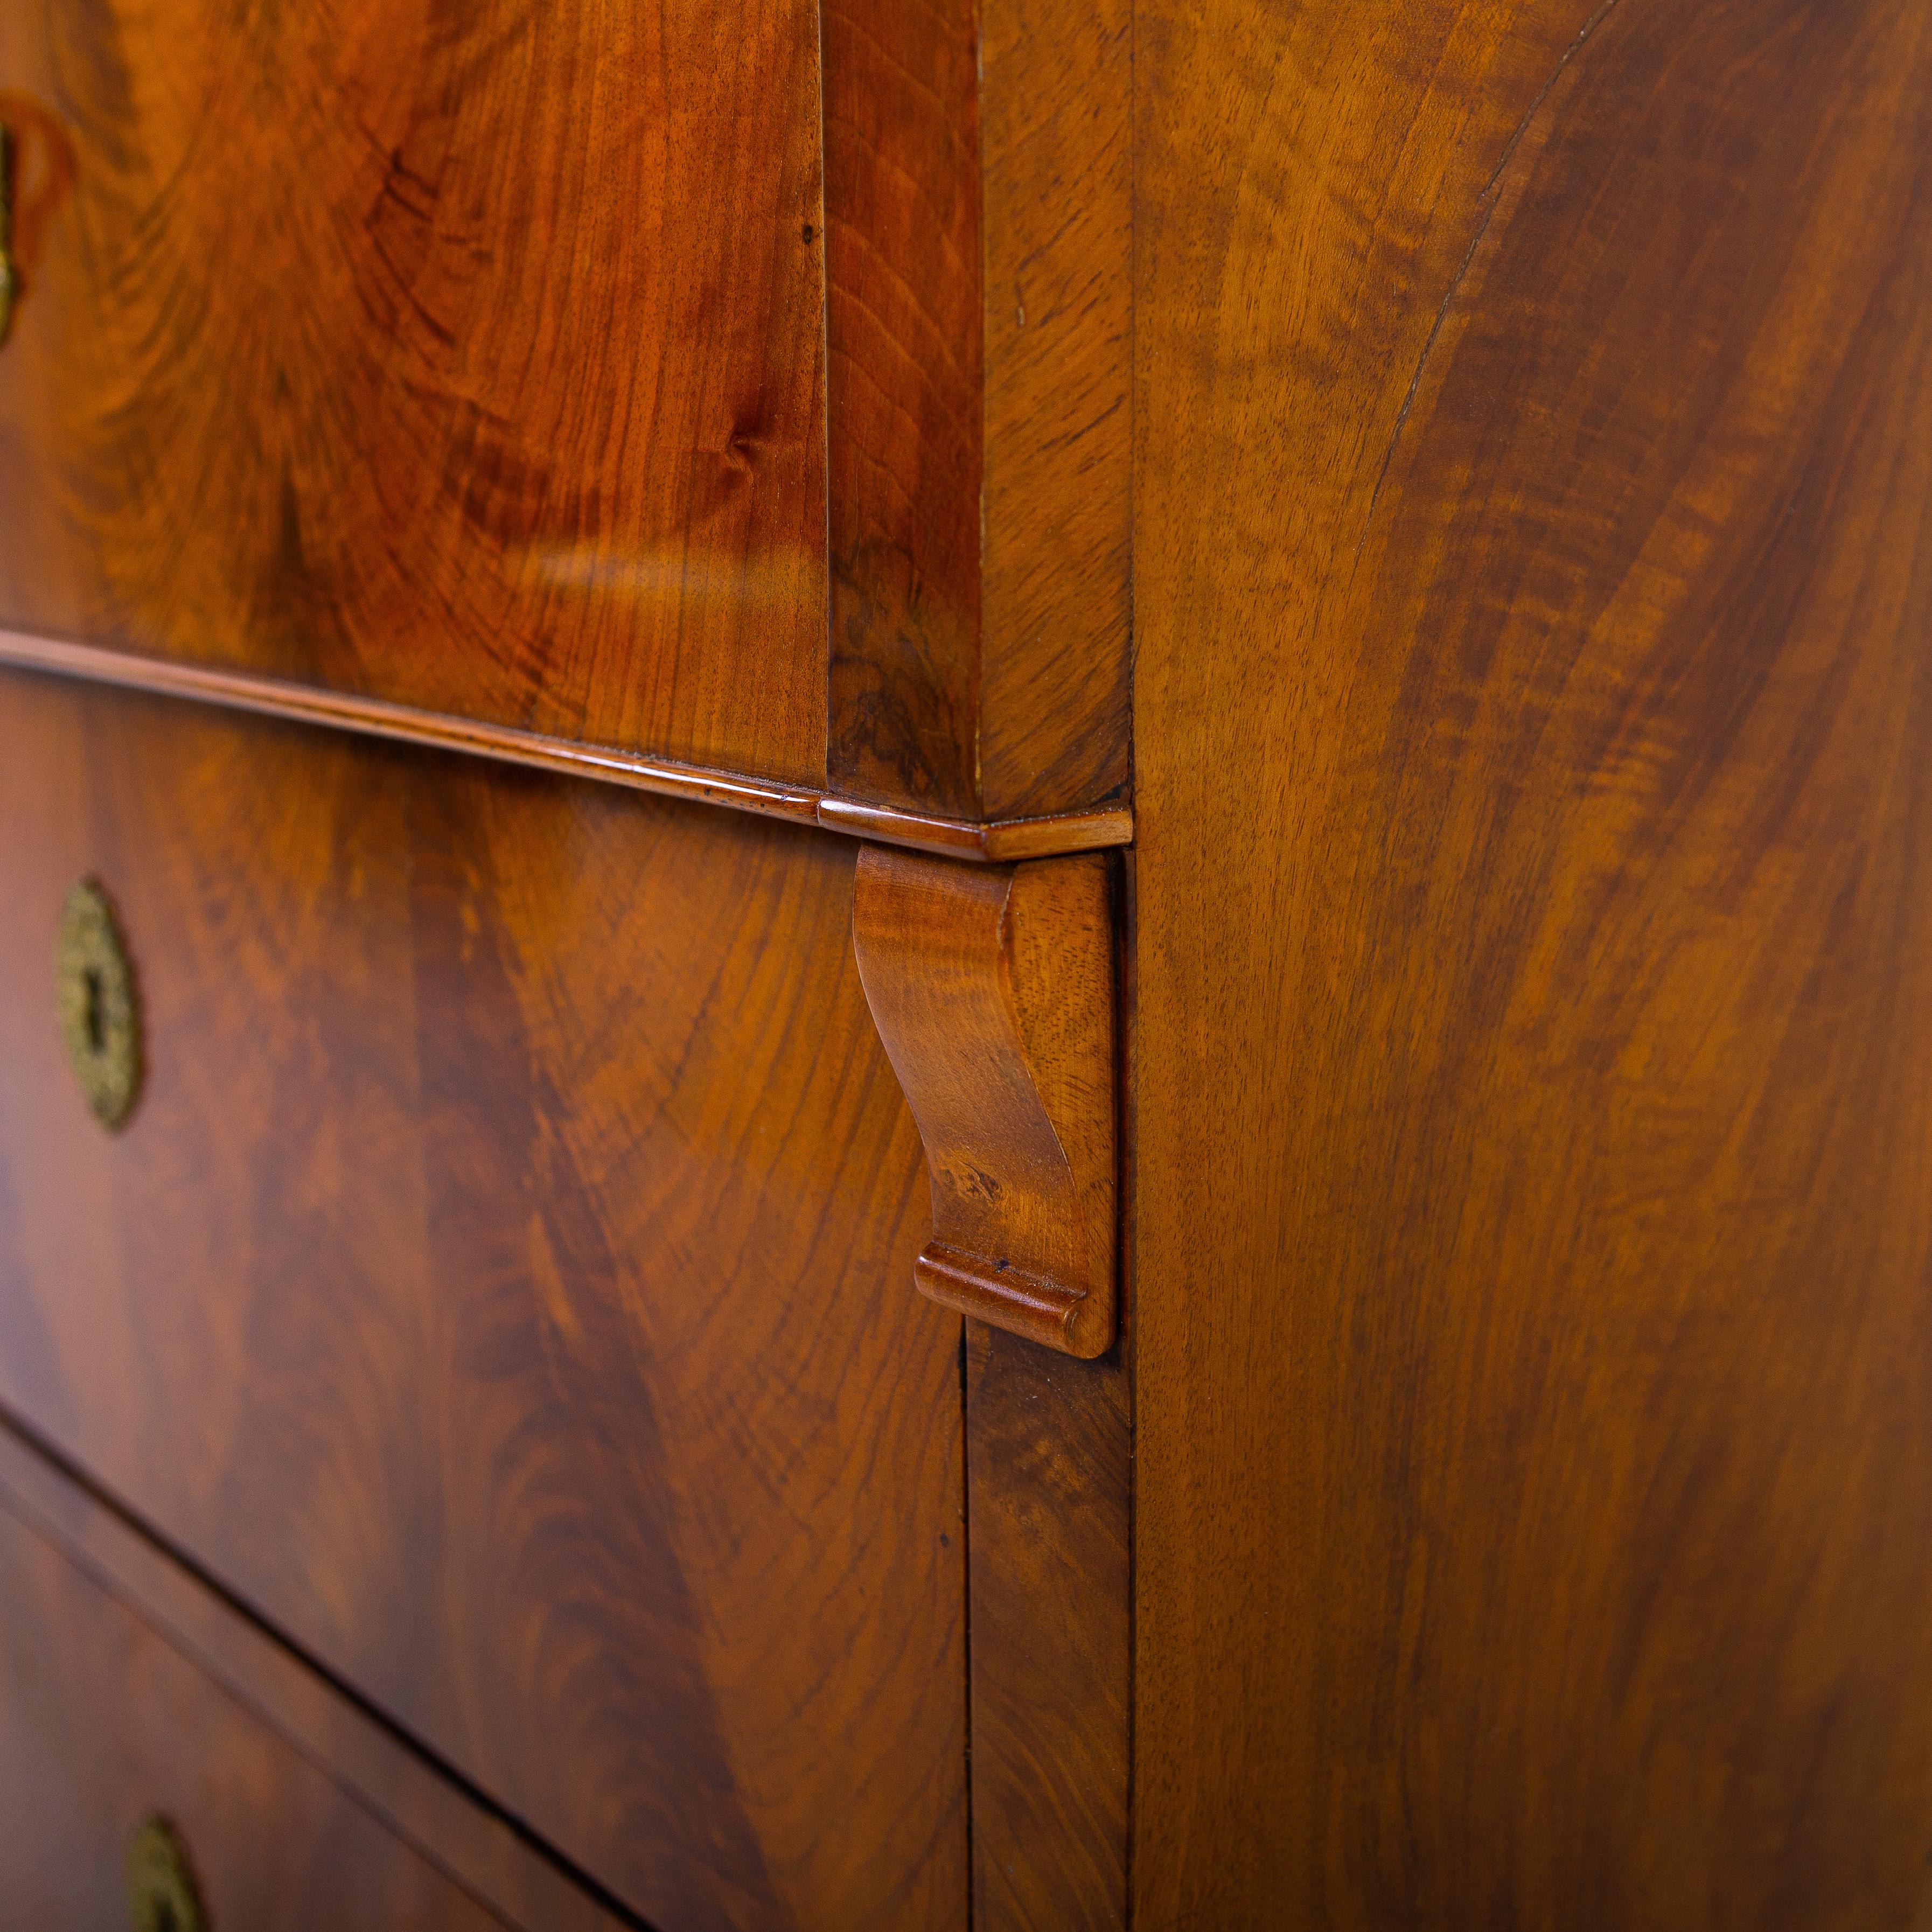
<point>992,987</point>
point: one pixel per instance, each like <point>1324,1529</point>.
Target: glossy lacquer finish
<point>978,259</point>
<point>368,1761</point>
<point>470,358</point>
<point>504,1285</point>
<point>1534,593</point>
<point>103,1725</point>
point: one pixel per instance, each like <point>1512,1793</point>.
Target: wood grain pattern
<point>1056,129</point>
<point>993,990</point>
<point>1535,1021</point>
<point>904,371</point>
<point>503,1286</point>
<point>996,841</point>
<point>473,361</point>
<point>1049,1464</point>
<point>978,210</point>
<point>499,386</point>
<point>102,1724</point>
<point>467,1841</point>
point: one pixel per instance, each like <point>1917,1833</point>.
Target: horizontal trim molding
<point>997,842</point>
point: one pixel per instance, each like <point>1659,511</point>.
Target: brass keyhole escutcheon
<point>10,274</point>
<point>99,1008</point>
<point>162,1896</point>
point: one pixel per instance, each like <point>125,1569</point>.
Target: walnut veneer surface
<point>504,1286</point>
<point>121,1756</point>
<point>1451,485</point>
<point>1534,593</point>
<point>102,1726</point>
<point>472,360</point>
<point>478,364</point>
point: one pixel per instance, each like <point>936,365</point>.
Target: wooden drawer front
<point>503,1284</point>
<point>469,358</point>
<point>616,382</point>
<point>104,1726</point>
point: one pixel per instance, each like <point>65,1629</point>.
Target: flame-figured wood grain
<point>993,989</point>
<point>904,374</point>
<point>1534,1202</point>
<point>525,369</point>
<point>501,1287</point>
<point>491,1857</point>
<point>978,264</point>
<point>1056,161</point>
<point>1049,1469</point>
<point>468,358</point>
<point>103,1725</point>
<point>996,841</point>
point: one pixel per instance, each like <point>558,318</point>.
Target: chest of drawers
<point>961,965</point>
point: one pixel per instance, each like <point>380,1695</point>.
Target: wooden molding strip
<point>999,841</point>
<point>994,842</point>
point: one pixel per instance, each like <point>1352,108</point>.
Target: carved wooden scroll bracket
<point>993,989</point>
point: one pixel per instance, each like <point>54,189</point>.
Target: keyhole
<point>99,1013</point>
<point>95,1019</point>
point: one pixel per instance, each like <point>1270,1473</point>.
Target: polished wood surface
<point>502,1285</point>
<point>993,991</point>
<point>103,1725</point>
<point>474,363</point>
<point>1534,1455</point>
<point>468,1841</point>
<point>978,263</point>
<point>1049,1476</point>
<point>903,370</point>
<point>995,841</point>
<point>1510,431</point>
<point>1056,143</point>
<point>530,374</point>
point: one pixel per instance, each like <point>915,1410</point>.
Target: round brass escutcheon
<point>161,1893</point>
<point>10,275</point>
<point>99,1009</point>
